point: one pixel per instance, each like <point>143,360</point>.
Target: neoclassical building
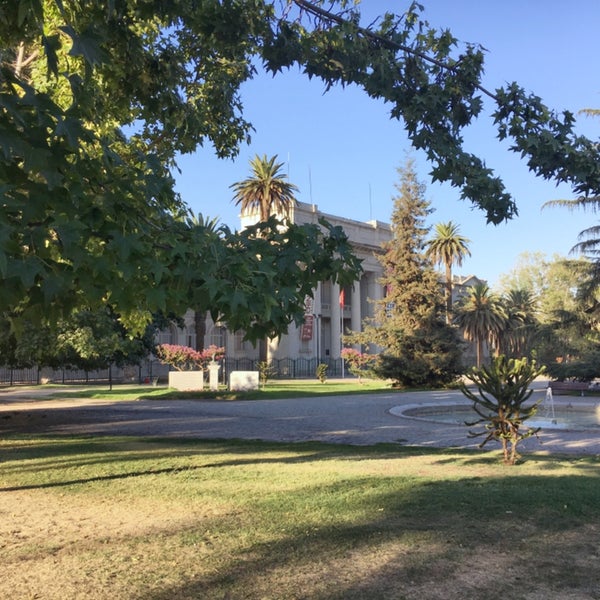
<point>333,310</point>
<point>330,313</point>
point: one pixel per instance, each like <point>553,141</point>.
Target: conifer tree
<point>416,346</point>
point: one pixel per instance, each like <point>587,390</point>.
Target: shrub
<point>322,372</point>
<point>359,364</point>
<point>265,372</point>
<point>184,358</point>
<point>503,390</point>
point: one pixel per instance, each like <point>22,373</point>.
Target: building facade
<point>331,313</point>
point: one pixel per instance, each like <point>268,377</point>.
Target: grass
<point>293,388</point>
<point>100,518</point>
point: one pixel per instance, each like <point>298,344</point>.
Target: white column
<point>318,312</point>
<point>336,340</point>
<point>377,287</point>
<point>355,314</point>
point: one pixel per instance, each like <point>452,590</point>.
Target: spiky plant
<point>503,391</point>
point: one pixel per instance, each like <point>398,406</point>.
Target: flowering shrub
<point>184,358</point>
<point>359,364</point>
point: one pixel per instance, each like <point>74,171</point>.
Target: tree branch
<point>329,16</point>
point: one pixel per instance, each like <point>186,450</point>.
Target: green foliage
<point>431,357</point>
<point>360,364</point>
<point>480,314</point>
<point>503,389</point>
<point>98,99</point>
<point>265,372</point>
<point>322,372</point>
<point>584,368</point>
<point>266,192</point>
<point>95,104</point>
<point>416,346</point>
<point>97,339</point>
<point>87,340</point>
<point>447,247</point>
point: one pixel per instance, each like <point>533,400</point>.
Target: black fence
<point>153,371</point>
<point>290,368</point>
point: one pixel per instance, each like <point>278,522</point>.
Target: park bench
<point>567,387</point>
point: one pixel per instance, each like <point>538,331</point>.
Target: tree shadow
<point>423,543</point>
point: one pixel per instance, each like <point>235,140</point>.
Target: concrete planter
<point>186,381</point>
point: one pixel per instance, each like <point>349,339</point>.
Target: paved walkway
<point>356,419</point>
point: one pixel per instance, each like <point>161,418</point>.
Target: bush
<point>322,372</point>
<point>429,358</point>
<point>184,358</point>
<point>583,369</point>
<point>359,364</point>
<point>265,372</point>
<point>503,390</point>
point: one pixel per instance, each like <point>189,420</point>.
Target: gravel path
<point>356,419</point>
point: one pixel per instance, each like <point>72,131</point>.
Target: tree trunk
<point>263,346</point>
<point>200,329</point>
<point>448,294</point>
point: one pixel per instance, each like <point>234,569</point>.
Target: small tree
<point>265,372</point>
<point>322,372</point>
<point>503,390</point>
<point>359,364</point>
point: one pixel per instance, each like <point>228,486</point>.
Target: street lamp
<point>317,319</point>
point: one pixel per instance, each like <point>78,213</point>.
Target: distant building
<point>331,312</point>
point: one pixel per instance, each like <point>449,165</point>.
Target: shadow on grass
<point>396,537</point>
<point>421,541</point>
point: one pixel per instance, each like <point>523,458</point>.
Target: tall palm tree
<point>266,191</point>
<point>481,316</point>
<point>448,247</point>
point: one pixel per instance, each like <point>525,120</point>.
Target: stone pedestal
<point>186,381</point>
<point>243,381</point>
<point>213,376</point>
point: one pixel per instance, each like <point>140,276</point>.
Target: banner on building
<point>306,333</point>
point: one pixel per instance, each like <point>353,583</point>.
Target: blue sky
<point>342,149</point>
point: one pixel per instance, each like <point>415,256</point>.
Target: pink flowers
<point>355,358</point>
<point>184,358</point>
<point>358,363</point>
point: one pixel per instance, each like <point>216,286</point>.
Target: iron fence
<point>151,371</point>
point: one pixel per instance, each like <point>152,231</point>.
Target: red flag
<point>342,298</point>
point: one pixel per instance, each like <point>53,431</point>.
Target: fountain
<point>577,415</point>
<point>547,407</point>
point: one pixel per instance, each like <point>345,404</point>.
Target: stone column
<point>355,308</point>
<point>335,321</point>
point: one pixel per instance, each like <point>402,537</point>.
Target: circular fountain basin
<point>565,415</point>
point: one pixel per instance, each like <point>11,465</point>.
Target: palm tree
<point>266,191</point>
<point>481,316</point>
<point>448,247</point>
<point>521,309</point>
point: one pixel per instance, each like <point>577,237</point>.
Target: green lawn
<point>101,518</point>
<point>292,388</point>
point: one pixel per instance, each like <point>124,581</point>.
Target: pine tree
<point>417,347</point>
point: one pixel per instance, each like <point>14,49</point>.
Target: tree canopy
<point>97,99</point>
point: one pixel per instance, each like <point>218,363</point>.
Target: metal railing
<point>149,371</point>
